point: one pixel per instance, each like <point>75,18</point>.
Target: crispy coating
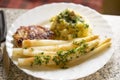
<point>30,33</point>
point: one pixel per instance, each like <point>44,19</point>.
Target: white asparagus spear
<point>21,52</point>
<point>17,52</point>
<point>33,43</point>
<point>104,41</point>
<point>50,48</point>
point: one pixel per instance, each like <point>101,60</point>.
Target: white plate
<point>41,15</point>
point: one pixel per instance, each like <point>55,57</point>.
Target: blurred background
<point>103,6</point>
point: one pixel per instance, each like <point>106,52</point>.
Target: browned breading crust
<point>31,32</point>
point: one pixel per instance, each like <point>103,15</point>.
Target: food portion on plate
<point>30,33</point>
<point>68,40</point>
<point>68,25</point>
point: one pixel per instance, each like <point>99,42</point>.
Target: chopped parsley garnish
<point>42,59</point>
<point>74,24</point>
<point>62,57</point>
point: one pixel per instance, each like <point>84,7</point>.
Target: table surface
<point>111,71</point>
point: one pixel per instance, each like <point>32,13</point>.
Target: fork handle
<point>3,28</point>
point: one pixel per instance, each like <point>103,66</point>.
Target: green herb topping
<point>63,57</point>
<point>42,59</point>
<point>68,25</point>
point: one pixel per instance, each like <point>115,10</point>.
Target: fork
<point>3,53</point>
<point>3,31</point>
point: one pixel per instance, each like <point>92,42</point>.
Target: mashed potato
<point>68,25</point>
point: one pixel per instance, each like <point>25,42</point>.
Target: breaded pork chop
<point>31,32</point>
